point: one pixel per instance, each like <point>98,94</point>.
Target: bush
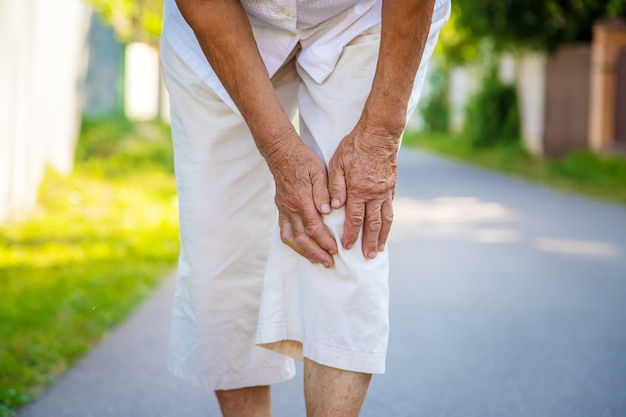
<point>117,146</point>
<point>434,109</point>
<point>492,114</point>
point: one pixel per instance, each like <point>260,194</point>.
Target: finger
<point>355,212</point>
<point>312,250</point>
<point>386,215</point>
<point>321,196</point>
<point>371,229</point>
<point>315,228</point>
<point>287,236</point>
<point>337,185</point>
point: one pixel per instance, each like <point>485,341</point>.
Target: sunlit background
<point>88,204</point>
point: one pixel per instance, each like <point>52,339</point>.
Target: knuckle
<point>317,257</point>
<point>355,218</point>
<point>337,189</point>
<point>375,222</point>
<point>300,239</point>
<point>311,228</point>
<point>284,237</point>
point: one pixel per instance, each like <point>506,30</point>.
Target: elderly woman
<point>283,230</point>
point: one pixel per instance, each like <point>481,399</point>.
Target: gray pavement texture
<point>507,299</point>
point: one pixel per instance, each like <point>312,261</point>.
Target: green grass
<point>97,244</point>
<point>585,173</point>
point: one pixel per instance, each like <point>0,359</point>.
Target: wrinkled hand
<point>301,197</point>
<point>363,176</point>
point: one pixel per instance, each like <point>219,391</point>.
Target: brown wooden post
<point>567,100</point>
<point>609,38</point>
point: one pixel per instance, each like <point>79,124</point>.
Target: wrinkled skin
<point>363,176</point>
<point>301,197</point>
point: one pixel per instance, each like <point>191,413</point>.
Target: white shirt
<point>322,28</point>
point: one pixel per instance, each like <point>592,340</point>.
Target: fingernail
<point>325,208</point>
<point>371,255</point>
<point>326,264</point>
<point>381,247</point>
<point>349,246</point>
<point>335,203</point>
<point>332,252</point>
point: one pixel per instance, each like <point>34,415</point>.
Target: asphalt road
<point>508,299</point>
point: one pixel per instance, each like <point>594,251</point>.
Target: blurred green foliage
<point>435,107</point>
<point>456,45</point>
<point>528,24</point>
<point>108,145</point>
<point>98,243</point>
<point>492,114</point>
<point>132,20</point>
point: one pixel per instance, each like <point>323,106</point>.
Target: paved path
<point>508,299</point>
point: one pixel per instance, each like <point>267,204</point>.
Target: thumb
<point>321,197</point>
<point>337,185</point>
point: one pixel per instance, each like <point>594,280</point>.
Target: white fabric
<point>237,284</point>
<point>226,216</point>
<point>323,28</point>
<point>337,317</point>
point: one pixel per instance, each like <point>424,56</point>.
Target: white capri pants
<point>245,303</point>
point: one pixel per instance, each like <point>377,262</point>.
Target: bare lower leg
<point>246,402</point>
<point>331,392</point>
